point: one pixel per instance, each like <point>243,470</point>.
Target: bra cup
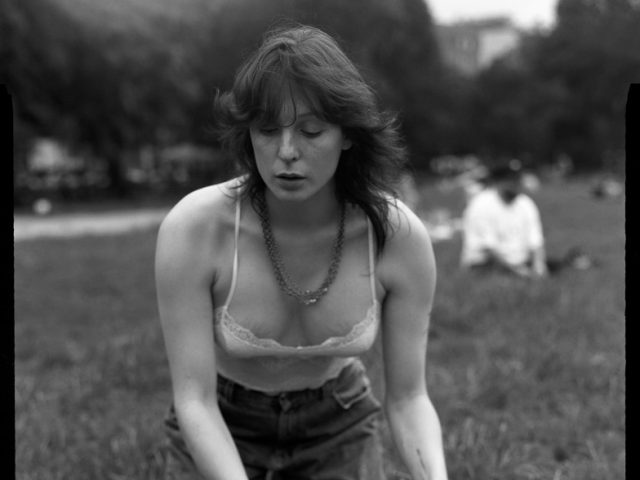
<point>242,342</point>
<point>239,341</point>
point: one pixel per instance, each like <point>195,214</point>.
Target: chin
<point>301,192</point>
<point>286,195</point>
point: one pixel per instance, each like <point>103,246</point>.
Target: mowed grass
<point>527,377</point>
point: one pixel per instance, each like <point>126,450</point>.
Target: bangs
<point>301,65</point>
<point>278,78</point>
<point>277,89</point>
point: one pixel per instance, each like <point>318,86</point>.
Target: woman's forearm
<point>210,442</point>
<point>417,434</point>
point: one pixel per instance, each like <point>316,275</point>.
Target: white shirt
<point>513,230</point>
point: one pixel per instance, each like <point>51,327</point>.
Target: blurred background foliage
<point>125,86</point>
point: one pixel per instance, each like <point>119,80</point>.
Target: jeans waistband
<point>235,392</point>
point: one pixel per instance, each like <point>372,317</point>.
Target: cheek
<point>332,146</point>
<point>329,162</point>
<point>262,163</point>
<point>260,156</point>
<point>261,151</point>
<point>336,155</point>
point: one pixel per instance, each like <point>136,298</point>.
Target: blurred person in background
<point>501,227</point>
<point>273,284</point>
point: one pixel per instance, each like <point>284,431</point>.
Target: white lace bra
<point>240,342</point>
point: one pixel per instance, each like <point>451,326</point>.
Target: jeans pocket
<point>349,393</point>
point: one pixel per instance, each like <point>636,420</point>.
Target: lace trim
<point>246,336</point>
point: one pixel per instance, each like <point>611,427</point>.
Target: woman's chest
<point>257,300</point>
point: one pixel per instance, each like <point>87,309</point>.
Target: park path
<point>26,227</point>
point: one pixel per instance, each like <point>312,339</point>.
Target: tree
<point>95,85</point>
<point>111,77</point>
<point>591,54</point>
<point>567,92</point>
<point>510,113</point>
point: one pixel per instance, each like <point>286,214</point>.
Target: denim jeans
<point>328,433</point>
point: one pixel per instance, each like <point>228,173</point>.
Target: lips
<point>290,176</point>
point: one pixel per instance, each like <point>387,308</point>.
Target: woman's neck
<point>320,210</point>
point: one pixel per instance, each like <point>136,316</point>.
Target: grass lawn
<point>527,377</point>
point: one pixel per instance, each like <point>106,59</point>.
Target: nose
<point>287,148</point>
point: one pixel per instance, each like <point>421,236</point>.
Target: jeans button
<point>285,403</point>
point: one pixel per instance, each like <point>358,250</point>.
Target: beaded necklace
<point>288,286</point>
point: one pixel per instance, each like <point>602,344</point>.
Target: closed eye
<point>311,133</point>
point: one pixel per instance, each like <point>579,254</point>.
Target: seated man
<point>501,228</point>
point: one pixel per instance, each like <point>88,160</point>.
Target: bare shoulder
<point>408,254</point>
<point>195,228</point>
<point>203,212</point>
<point>408,231</point>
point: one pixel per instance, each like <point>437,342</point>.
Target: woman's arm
<point>408,274</point>
<point>184,275</point>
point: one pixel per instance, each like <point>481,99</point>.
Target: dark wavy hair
<point>306,61</point>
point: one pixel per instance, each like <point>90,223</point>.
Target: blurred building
<point>469,46</point>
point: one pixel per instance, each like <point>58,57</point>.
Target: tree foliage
<point>593,53</point>
<point>93,86</point>
<point>111,77</point>
<point>149,78</point>
<point>568,93</point>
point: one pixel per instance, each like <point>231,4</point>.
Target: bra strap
<point>234,275</point>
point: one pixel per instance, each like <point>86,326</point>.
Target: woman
<point>272,284</point>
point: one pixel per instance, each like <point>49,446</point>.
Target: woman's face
<point>297,157</point>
